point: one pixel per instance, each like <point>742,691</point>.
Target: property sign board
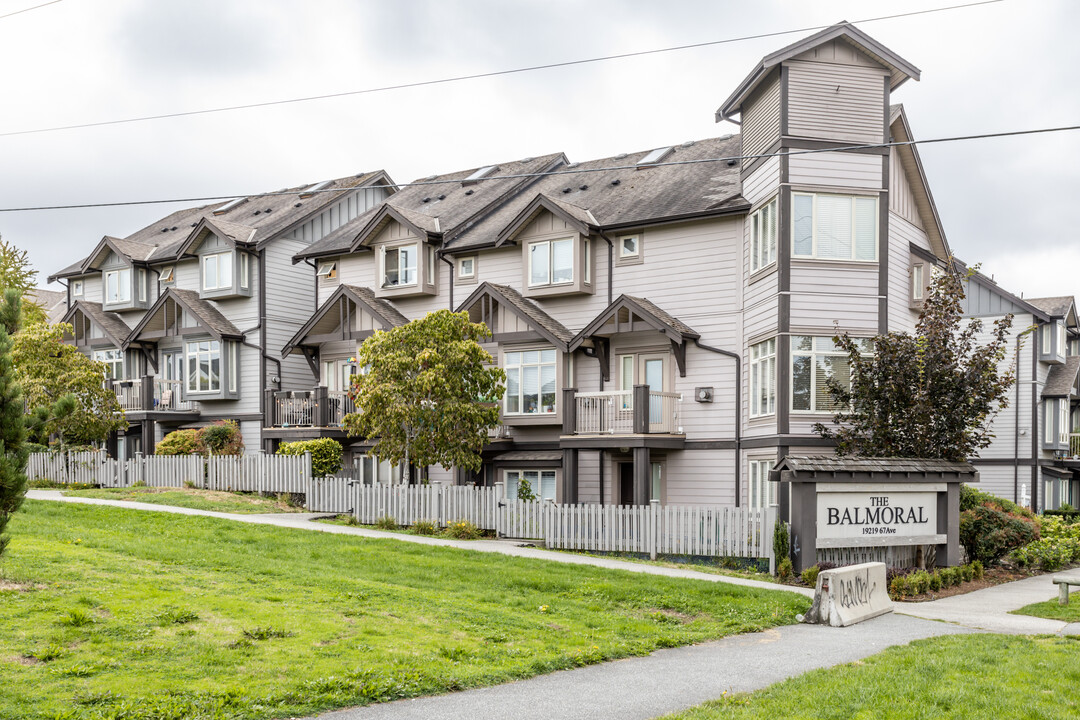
<point>858,516</point>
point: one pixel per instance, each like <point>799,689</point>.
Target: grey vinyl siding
<point>589,476</point>
<point>187,275</point>
<point>901,198</point>
<point>700,477</point>
<point>999,479</point>
<point>761,116</point>
<point>836,169</point>
<point>763,182</point>
<point>290,302</point>
<point>902,234</point>
<point>836,102</point>
<point>93,290</point>
<point>823,293</point>
<point>1004,424</point>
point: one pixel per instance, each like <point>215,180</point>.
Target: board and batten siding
<point>832,101</point>
<point>901,198</point>
<point>761,116</point>
<point>347,208</point>
<point>836,169</point>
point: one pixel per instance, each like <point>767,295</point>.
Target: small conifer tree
<point>13,450</point>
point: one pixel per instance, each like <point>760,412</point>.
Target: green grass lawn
<point>114,613</point>
<point>1051,610</point>
<point>979,677</point>
<point>191,498</point>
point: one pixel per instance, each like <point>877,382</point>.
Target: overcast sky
<point>999,67</point>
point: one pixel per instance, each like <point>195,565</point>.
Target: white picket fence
<point>442,505</point>
<point>259,473</point>
<point>175,471</point>
<point>330,495</point>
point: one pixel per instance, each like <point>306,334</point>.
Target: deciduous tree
<point>931,394</point>
<point>427,394</point>
<point>17,272</point>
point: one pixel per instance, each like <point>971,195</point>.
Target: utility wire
<point>564,171</point>
<point>476,76</point>
<point>25,10</point>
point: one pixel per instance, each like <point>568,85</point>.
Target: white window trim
<point>245,270</point>
<point>327,270</point>
<point>550,282</point>
<point>763,367</point>
<point>462,275</point>
<point>814,228</point>
<point>918,282</point>
<point>77,288</point>
<point>762,493</point>
<point>415,268</point>
<point>540,412</point>
<point>111,358</point>
<point>191,355</point>
<point>813,354</point>
<point>167,274</point>
<point>119,274</point>
<point>223,282</point>
<point>623,255</point>
<point>763,236</point>
<point>537,488</point>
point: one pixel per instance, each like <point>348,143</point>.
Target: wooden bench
<point>1063,582</point>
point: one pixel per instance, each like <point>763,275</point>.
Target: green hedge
<point>180,442</point>
<point>325,454</point>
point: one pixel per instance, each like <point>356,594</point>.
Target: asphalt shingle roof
<point>833,464</point>
<point>1054,306</point>
<point>388,312</point>
<point>111,324</point>
<point>207,313</point>
<point>1062,378</point>
<point>532,311</point>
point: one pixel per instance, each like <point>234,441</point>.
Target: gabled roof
<point>133,251</point>
<point>1009,302</point>
<point>831,464</point>
<point>208,317</point>
<point>615,193</point>
<point>443,204</point>
<point>576,217</point>
<point>636,309</point>
<point>1062,378</point>
<point>423,226</point>
<point>900,70</point>
<point>1062,306</point>
<point>112,326</point>
<point>231,233</point>
<point>916,177</point>
<point>507,297</point>
<point>363,298</point>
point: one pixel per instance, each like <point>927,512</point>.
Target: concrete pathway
<point>305,521</point>
<point>678,678</point>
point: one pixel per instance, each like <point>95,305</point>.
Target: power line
<point>475,76</point>
<point>26,10</point>
<point>564,171</point>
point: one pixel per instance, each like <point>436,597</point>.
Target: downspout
<point>262,333</point>
<point>451,275</point>
<point>610,266</point>
<point>1016,428</point>
<point>738,411</point>
<point>315,268</point>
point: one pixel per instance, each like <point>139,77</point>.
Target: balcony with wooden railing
<point>316,408</point>
<point>1074,445</point>
<point>151,394</point>
<point>641,411</point>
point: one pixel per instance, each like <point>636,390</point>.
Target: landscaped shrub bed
<point>911,582</point>
<point>992,527</point>
<point>1059,545</point>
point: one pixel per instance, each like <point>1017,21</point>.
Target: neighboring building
<point>624,295</point>
<point>189,313</point>
<point>53,302</point>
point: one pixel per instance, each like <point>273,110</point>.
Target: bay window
<point>834,227</point>
<point>551,262</point>
<point>117,286</point>
<point>217,271</point>
<point>203,366</point>
<point>399,266</point>
<point>541,483</point>
<point>530,382</point>
<point>763,237</point>
<point>763,378</point>
<point>813,361</point>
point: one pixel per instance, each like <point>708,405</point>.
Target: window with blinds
<point>813,361</point>
<point>834,227</point>
<point>763,378</point>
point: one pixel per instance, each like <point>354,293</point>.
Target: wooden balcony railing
<point>1074,445</point>
<point>618,412</point>
<point>318,407</point>
<point>149,393</point>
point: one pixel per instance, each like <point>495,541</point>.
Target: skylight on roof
<point>308,192</point>
<point>480,174</point>
<point>655,156</point>
<point>229,205</point>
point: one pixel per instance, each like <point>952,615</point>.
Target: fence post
<point>767,532</point>
<point>499,497</point>
<point>654,536</point>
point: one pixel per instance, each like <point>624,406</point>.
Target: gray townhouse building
<point>189,313</point>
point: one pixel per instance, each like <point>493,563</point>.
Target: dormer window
<point>551,262</point>
<point>217,271</point>
<point>327,270</point>
<point>118,286</point>
<point>168,274</point>
<point>399,266</point>
<point>1052,339</point>
<point>77,288</point>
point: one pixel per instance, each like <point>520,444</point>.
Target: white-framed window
<point>118,285</point>
<point>763,237</point>
<point>327,270</point>
<point>763,378</point>
<point>245,270</point>
<point>1063,422</point>
<point>587,275</point>
<point>466,268</point>
<point>813,361</point>
<point>629,247</point>
<point>337,375</point>
<point>141,279</point>
<point>530,382</point>
<point>168,274</point>
<point>203,366</point>
<point>1048,422</point>
<point>918,281</point>
<point>762,492</point>
<point>114,362</point>
<point>656,479</point>
<point>234,367</point>
<point>551,262</point>
<point>834,227</point>
<point>429,253</point>
<point>1046,339</point>
<point>1059,328</point>
<point>400,266</point>
<point>541,482</point>
<point>217,271</point>
<point>77,288</point>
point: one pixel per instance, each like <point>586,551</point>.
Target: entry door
<point>653,371</point>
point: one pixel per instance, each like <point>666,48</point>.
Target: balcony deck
<point>151,398</point>
<point>641,417</point>
<point>313,413</point>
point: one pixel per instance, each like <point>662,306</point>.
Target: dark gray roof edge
<point>901,116</point>
<point>989,284</point>
<point>835,464</point>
